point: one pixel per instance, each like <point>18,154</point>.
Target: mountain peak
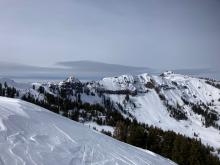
<point>167,73</point>
<point>72,79</point>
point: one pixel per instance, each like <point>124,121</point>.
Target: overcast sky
<point>148,33</point>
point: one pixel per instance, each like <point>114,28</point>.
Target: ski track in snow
<point>65,134</point>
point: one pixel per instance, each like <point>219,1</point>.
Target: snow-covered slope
<point>167,101</point>
<point>32,135</point>
<point>184,104</point>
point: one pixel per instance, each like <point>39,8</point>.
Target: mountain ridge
<point>184,104</point>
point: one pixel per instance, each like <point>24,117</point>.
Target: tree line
<point>8,91</point>
<point>179,148</point>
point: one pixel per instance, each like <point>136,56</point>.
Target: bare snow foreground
<point>34,136</point>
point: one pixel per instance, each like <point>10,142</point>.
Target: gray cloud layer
<point>151,33</point>
<point>86,70</point>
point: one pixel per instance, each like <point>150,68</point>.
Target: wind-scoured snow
<point>34,136</point>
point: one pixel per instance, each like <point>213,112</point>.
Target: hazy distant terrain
<point>207,72</point>
<point>86,70</point>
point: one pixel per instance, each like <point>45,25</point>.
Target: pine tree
<point>120,132</point>
<point>127,97</point>
<point>0,89</point>
<point>136,136</point>
<point>5,85</point>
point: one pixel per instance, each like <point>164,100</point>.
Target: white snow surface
<point>100,128</point>
<point>35,136</point>
<point>150,109</point>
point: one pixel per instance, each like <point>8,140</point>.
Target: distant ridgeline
<point>141,109</point>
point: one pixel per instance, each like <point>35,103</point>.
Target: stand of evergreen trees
<point>213,83</point>
<point>7,91</point>
<point>210,116</point>
<point>179,148</point>
<point>101,114</point>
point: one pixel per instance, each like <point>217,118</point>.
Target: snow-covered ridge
<point>33,135</point>
<point>70,80</point>
<point>155,94</point>
<point>169,101</point>
<point>158,97</point>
